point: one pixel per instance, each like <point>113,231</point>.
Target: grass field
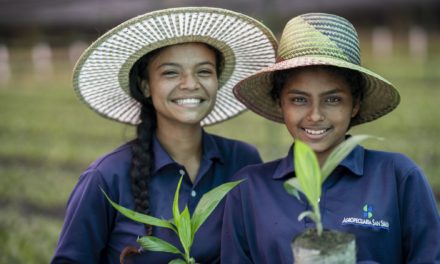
<point>48,138</point>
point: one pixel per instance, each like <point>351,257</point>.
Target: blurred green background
<point>48,137</point>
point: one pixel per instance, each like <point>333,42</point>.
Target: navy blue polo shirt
<point>382,198</point>
<point>94,232</point>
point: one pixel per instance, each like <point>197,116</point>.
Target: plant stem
<point>319,227</point>
<point>187,256</point>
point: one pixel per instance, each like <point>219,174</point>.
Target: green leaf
<point>176,210</point>
<point>340,152</point>
<point>308,172</point>
<point>177,261</point>
<point>141,218</point>
<point>293,187</point>
<point>184,229</point>
<point>156,244</point>
<point>208,203</point>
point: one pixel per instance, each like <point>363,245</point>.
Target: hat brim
<point>379,95</point>
<point>101,76</point>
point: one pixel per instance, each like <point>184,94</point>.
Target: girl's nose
<point>190,82</point>
<point>316,114</point>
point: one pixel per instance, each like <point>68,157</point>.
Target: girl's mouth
<point>188,101</point>
<point>315,132</point>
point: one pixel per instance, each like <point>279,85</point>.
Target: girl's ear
<point>143,85</point>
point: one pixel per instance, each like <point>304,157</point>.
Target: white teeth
<point>188,101</point>
<point>315,132</point>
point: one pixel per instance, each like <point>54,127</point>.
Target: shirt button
<point>182,172</point>
<point>193,193</point>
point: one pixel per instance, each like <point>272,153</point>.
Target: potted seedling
<point>318,245</point>
<point>182,223</point>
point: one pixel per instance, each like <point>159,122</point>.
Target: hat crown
<point>319,35</point>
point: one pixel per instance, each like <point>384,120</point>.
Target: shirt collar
<point>211,150</point>
<point>285,166</point>
<point>354,162</point>
<point>162,158</point>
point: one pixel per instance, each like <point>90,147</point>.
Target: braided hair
<point>142,147</point>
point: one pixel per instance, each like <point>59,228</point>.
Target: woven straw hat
<point>318,39</point>
<point>101,76</point>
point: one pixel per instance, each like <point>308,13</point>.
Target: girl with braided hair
<point>175,69</point>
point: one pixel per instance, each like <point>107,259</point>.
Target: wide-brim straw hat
<point>101,76</point>
<point>318,39</point>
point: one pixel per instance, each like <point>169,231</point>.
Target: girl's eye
<point>333,99</point>
<point>206,72</point>
<point>298,100</point>
<point>170,73</point>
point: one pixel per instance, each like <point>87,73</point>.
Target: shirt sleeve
<point>87,222</point>
<point>421,220</point>
<point>234,246</point>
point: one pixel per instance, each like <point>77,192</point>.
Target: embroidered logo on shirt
<point>368,211</point>
<point>367,219</point>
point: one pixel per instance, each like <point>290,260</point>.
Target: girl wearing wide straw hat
<point>318,89</point>
<point>170,72</point>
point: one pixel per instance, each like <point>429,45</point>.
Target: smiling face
<point>182,81</point>
<point>317,106</point>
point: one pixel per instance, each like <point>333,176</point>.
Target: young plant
<point>310,177</point>
<point>182,223</point>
